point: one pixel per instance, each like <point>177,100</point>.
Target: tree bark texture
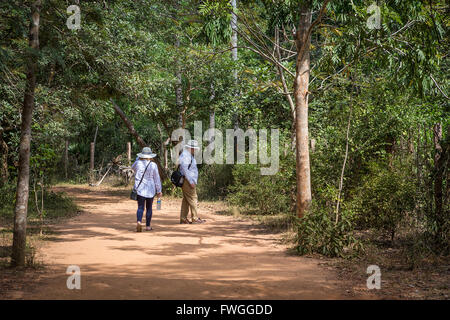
<point>301,85</point>
<point>23,180</point>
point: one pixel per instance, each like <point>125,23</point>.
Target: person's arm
<point>157,180</point>
<point>135,164</point>
<point>184,165</point>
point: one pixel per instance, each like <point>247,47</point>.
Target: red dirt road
<point>221,259</point>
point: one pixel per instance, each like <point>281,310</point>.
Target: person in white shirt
<point>148,188</point>
<point>188,168</point>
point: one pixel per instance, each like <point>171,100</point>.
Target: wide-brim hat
<point>192,144</point>
<point>146,153</point>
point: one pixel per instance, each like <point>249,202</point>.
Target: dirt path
<point>222,259</point>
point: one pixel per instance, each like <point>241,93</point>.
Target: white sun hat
<point>192,144</point>
<point>146,153</point>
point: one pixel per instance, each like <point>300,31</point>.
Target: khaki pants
<point>189,201</point>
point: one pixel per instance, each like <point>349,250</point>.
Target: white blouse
<point>188,166</point>
<point>151,183</point>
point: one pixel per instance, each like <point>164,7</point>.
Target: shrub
<point>7,199</point>
<point>257,194</point>
<point>317,232</point>
<point>55,204</point>
<point>214,181</point>
<point>169,189</point>
<point>384,197</point>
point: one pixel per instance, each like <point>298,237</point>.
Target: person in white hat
<point>147,171</point>
<point>188,168</point>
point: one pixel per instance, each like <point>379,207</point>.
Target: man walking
<point>188,168</point>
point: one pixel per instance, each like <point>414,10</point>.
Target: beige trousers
<point>189,201</point>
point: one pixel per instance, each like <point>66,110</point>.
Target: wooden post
<point>129,153</point>
<point>66,158</point>
<point>91,167</point>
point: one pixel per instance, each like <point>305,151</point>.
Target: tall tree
<point>301,92</point>
<point>260,43</point>
<point>439,167</point>
<point>234,55</point>
<point>179,87</point>
<point>22,193</point>
<point>301,86</point>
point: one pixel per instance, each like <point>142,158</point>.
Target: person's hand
<point>159,194</point>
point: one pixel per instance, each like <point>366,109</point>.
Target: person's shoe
<point>185,221</point>
<point>139,227</point>
<point>198,221</point>
<point>148,228</point>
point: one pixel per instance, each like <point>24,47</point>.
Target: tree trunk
<point>447,168</point>
<point>179,87</point>
<point>129,125</point>
<point>139,140</point>
<point>439,175</point>
<point>66,159</point>
<point>166,154</point>
<point>301,85</point>
<point>4,172</point>
<point>234,56</point>
<point>212,121</point>
<point>23,181</point>
<point>92,164</point>
<point>234,39</point>
<point>212,113</point>
<point>341,180</point>
<point>95,136</point>
<point>129,153</point>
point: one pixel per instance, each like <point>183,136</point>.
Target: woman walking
<point>147,184</point>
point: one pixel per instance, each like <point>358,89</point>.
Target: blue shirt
<point>190,174</point>
<point>151,183</point>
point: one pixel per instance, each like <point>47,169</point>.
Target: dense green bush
<point>258,194</point>
<point>318,232</point>
<point>169,189</point>
<point>55,204</point>
<point>384,197</point>
<point>7,199</point>
<point>213,181</point>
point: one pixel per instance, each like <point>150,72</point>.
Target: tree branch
<point>439,88</point>
<point>139,140</point>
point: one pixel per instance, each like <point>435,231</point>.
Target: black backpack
<point>177,177</point>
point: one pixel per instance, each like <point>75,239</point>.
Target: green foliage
<point>318,232</point>
<point>391,79</point>
<point>7,199</point>
<point>217,21</point>
<point>255,193</point>
<point>263,195</point>
<point>214,181</point>
<point>171,190</point>
<point>384,198</point>
<point>56,204</point>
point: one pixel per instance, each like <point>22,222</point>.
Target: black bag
<point>133,195</point>
<point>177,178</point>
